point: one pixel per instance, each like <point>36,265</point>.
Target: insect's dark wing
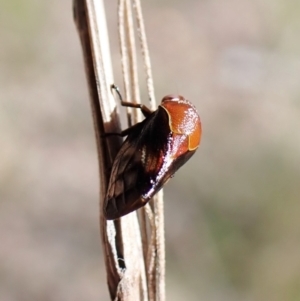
<point>130,175</point>
<point>123,191</point>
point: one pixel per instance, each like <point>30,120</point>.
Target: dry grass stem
<point>153,246</point>
<point>121,239</point>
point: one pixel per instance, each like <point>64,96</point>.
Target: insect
<point>152,152</point>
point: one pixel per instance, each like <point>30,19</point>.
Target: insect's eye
<point>171,97</point>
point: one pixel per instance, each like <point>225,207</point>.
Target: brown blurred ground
<point>232,213</point>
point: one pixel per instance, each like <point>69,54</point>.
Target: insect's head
<point>183,118</point>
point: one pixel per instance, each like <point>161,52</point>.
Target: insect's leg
<point>145,110</point>
<point>105,135</point>
<point>124,132</point>
<point>130,129</point>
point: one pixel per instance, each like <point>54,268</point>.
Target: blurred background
<point>232,212</point>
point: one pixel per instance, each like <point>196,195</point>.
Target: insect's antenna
<point>116,88</point>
